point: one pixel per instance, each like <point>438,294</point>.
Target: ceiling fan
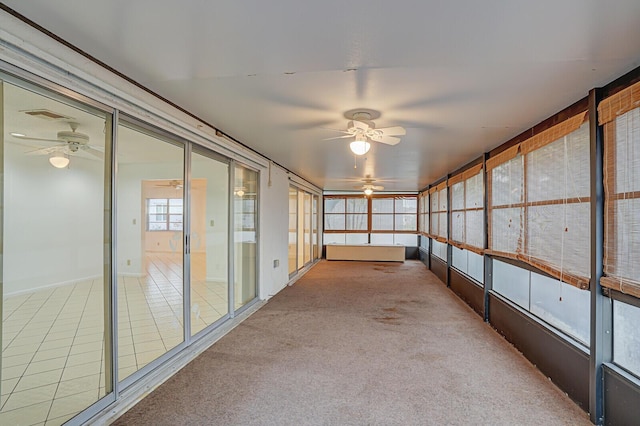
<point>69,143</point>
<point>363,130</point>
<point>174,183</point>
<point>368,187</point>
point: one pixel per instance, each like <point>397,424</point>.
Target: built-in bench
<point>366,252</point>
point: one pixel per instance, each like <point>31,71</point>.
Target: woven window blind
<point>438,212</point>
<point>467,210</point>
<point>620,115</point>
<point>423,218</point>
<point>540,206</point>
<point>506,197</point>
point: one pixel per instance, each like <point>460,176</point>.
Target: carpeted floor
<point>358,343</point>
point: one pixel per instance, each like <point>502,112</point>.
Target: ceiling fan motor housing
<point>73,137</point>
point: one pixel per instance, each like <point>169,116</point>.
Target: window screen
<point>439,206</point>
<point>423,213</point>
<point>620,115</point>
<point>467,209</point>
<point>540,205</point>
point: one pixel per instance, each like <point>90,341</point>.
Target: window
<point>540,205</point>
<point>423,213</point>
<point>626,336</point>
<point>394,214</point>
<point>467,209</point>
<point>560,305</point>
<point>245,211</point>
<point>345,214</point>
<point>164,214</point>
<point>620,115</point>
<point>356,214</point>
<point>439,205</point>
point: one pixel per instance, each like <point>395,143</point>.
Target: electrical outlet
<point>276,263</point>
<point>211,222</point>
<point>134,221</point>
<point>128,262</point>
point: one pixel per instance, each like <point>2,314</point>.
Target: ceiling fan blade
<point>393,131</point>
<point>337,130</point>
<point>338,137</point>
<point>27,138</point>
<point>389,140</point>
<point>377,187</point>
<point>49,150</point>
<point>91,150</point>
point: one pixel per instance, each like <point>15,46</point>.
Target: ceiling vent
<point>46,114</point>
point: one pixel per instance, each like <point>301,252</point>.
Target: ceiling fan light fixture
<point>59,160</point>
<point>368,191</point>
<point>360,146</point>
<point>240,193</point>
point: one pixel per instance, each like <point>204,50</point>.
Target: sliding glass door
<point>293,230</point>
<point>209,238</point>
<point>118,250</point>
<point>245,226</point>
<point>56,345</point>
<point>303,229</point>
<point>150,238</point>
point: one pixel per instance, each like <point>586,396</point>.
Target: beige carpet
<point>356,343</point>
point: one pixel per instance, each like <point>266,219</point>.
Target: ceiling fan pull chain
<point>355,161</point>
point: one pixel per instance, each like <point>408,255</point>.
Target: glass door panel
<point>314,227</point>
<point>245,224</point>
<point>150,237</point>
<point>300,237</point>
<point>209,240</point>
<point>293,226</point>
<point>307,228</point>
<point>56,353</point>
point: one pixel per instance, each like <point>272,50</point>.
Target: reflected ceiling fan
<point>368,187</point>
<point>364,130</point>
<point>174,183</point>
<point>69,143</point>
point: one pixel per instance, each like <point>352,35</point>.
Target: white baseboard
<point>50,286</point>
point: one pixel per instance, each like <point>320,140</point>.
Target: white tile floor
<point>53,355</point>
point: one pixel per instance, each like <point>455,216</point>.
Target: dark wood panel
<point>621,399</point>
<point>566,365</point>
<point>439,268</point>
<point>471,293</point>
<point>411,252</point>
<point>424,257</point>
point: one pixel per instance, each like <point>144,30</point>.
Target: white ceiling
<point>461,76</point>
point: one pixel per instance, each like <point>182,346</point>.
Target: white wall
<point>53,221</point>
<point>130,216</point>
<point>274,202</point>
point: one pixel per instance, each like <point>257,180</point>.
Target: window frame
<point>369,213</point>
<point>168,215</point>
<point>609,111</point>
<point>520,152</point>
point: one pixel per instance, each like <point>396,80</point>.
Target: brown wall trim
<point>621,83</point>
<point>572,110</point>
<point>470,164</point>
